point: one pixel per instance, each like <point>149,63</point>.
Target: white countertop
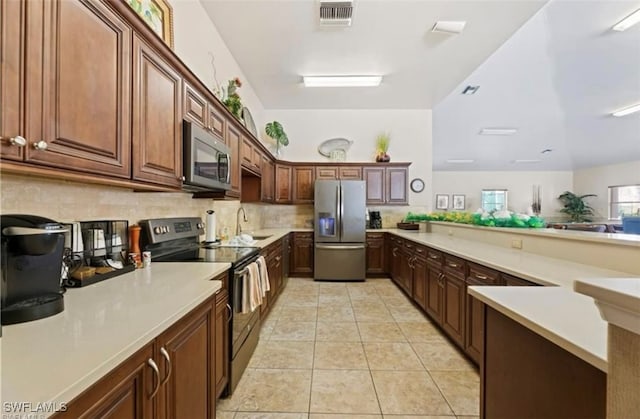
<point>617,298</point>
<point>56,358</point>
<point>568,319</point>
<point>535,268</point>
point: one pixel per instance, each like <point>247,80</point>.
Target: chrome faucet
<point>238,226</point>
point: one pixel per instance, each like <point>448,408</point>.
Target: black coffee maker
<point>32,249</point>
<point>375,220</point>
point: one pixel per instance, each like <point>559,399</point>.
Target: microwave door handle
<point>226,157</point>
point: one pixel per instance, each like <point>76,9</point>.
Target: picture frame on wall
<point>442,202</point>
<point>459,202</point>
<point>158,15</point>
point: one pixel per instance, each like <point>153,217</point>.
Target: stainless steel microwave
<point>206,160</point>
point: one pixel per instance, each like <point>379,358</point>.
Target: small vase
<point>384,158</point>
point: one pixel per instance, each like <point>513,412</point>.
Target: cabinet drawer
<point>421,251</point>
<point>515,281</point>
<point>484,275</point>
<point>454,265</point>
<point>375,236</point>
<point>409,245</point>
<point>434,257</point>
<point>354,173</point>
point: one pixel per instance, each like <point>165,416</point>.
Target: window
<point>494,199</point>
<point>624,200</point>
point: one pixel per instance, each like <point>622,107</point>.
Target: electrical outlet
<point>516,243</point>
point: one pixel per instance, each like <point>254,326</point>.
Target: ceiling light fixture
<point>470,90</point>
<point>527,161</point>
<point>460,161</point>
<point>627,22</point>
<point>449,26</point>
<point>341,81</point>
<point>498,131</point>
<point>628,110</point>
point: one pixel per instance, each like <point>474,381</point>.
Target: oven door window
<point>209,164</point>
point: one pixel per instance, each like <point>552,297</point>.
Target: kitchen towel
<point>264,275</point>
<point>251,295</point>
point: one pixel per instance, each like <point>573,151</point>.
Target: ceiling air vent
<point>335,13</point>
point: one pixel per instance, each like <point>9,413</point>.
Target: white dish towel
<point>264,275</point>
<point>251,294</point>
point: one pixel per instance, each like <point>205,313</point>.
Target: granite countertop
<point>56,358</point>
<point>568,319</point>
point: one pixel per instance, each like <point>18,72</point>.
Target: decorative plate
<point>326,147</point>
<point>248,121</point>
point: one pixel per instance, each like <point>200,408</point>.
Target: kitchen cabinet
<point>157,137</point>
<point>274,257</point>
<point>513,281</point>
<point>200,111</point>
<point>283,184</point>
<point>221,341</point>
<point>395,246</point>
<point>454,298</point>
<point>419,266</point>
<point>267,180</point>
<point>234,141</point>
<point>375,254</point>
<point>434,302</point>
<point>303,180</point>
<point>339,172</point>
<point>301,261</point>
<point>123,393</point>
<point>57,121</point>
<point>250,156</point>
<point>386,185</point>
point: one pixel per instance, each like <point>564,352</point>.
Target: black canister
<point>375,220</point>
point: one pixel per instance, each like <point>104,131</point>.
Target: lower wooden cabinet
<point>301,260</point>
<point>420,282</point>
<point>454,298</point>
<point>375,254</point>
<point>179,374</point>
<point>474,339</point>
<point>435,291</point>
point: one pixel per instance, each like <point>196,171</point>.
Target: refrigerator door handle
<point>341,212</point>
<point>338,213</point>
<point>340,246</point>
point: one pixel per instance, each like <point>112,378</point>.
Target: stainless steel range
<point>177,240</point>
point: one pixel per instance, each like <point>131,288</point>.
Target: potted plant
<point>576,207</point>
<point>274,130</point>
<point>382,146</point>
<point>233,102</point>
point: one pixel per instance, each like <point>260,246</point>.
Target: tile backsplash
<point>72,201</point>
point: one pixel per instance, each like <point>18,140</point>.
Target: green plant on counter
<point>504,219</point>
<point>274,130</point>
<point>576,207</point>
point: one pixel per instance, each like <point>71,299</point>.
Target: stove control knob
<point>200,226</point>
<point>165,229</point>
<point>157,230</point>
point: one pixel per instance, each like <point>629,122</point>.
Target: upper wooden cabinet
<point>250,155</point>
<point>234,141</point>
<point>283,184</point>
<point>157,134</point>
<point>199,110</point>
<point>268,173</point>
<point>303,180</point>
<point>338,172</point>
<point>72,102</point>
<point>386,185</point>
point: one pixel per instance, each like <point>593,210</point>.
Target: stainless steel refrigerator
<point>340,234</point>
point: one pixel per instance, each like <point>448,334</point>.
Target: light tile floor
<point>361,350</point>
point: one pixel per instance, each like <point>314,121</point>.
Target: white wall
<point>410,137</point>
<point>519,184</point>
<point>596,180</point>
<point>195,38</point>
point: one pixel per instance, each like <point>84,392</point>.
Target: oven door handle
<point>230,313</point>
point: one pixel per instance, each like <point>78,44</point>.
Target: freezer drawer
<point>340,262</point>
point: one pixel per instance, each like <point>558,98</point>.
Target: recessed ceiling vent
<point>336,13</point>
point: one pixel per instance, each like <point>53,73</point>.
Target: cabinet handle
<point>433,256</point>
<point>154,367</point>
<point>41,145</point>
<point>165,354</point>
<point>230,312</point>
<point>479,276</point>
<point>452,265</point>
<point>181,178</point>
<point>18,141</point>
<point>278,258</point>
<point>394,251</point>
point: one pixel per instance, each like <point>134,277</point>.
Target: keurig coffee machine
<point>32,249</point>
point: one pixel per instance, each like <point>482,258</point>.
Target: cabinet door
<point>234,143</point>
<point>434,292</point>
<point>194,106</point>
<point>327,172</point>
<point>186,390</point>
<point>246,152</point>
<point>12,47</point>
<point>420,282</point>
<point>157,137</point>
<point>216,121</point>
<point>375,254</point>
<point>256,159</point>
<point>267,179</point>
<point>350,173</point>
<point>221,342</point>
<point>124,393</point>
<point>396,186</point>
<point>283,184</point>
<point>375,178</point>
<point>78,87</point>
<point>303,178</point>
<point>406,273</point>
<point>474,325</point>
<point>302,254</point>
<point>453,310</point>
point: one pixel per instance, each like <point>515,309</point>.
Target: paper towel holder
<point>210,230</point>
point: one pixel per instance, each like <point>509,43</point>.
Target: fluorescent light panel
<point>527,161</point>
<point>460,161</point>
<point>342,81</point>
<point>628,110</point>
<point>627,22</point>
<point>498,131</point>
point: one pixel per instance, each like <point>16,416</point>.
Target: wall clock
<point>417,185</point>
